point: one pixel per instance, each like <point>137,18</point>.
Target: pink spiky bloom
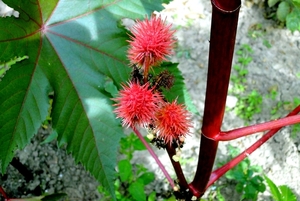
<point>151,43</point>
<point>172,121</point>
<point>137,104</point>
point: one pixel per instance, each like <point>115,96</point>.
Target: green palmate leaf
<point>72,48</point>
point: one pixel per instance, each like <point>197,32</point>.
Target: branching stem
<point>241,132</point>
<point>177,167</point>
<point>152,153</point>
<point>222,170</point>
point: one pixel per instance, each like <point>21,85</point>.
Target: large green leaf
<point>73,47</point>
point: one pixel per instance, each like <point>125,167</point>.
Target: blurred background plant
<point>286,11</point>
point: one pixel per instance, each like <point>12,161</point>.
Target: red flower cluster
<point>139,105</point>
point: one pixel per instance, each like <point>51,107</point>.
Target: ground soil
<point>55,171</point>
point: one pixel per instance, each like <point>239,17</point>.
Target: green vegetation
<point>280,193</point>
<point>247,104</point>
<point>131,178</point>
<point>287,12</point>
<point>257,31</point>
<point>238,77</point>
<point>295,127</point>
<point>287,106</point>
<point>246,176</point>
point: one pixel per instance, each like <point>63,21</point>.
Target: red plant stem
<point>3,193</point>
<point>222,39</point>
<point>241,132</point>
<point>177,167</point>
<point>152,153</point>
<point>222,170</point>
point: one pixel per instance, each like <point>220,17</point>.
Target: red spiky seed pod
<point>151,42</point>
<point>137,104</point>
<point>172,121</point>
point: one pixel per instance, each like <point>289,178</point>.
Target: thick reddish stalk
<point>222,39</point>
<point>241,132</point>
<point>222,170</point>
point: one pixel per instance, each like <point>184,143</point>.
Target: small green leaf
<point>219,196</point>
<point>256,168</point>
<point>272,2</point>
<point>136,190</point>
<point>293,20</point>
<point>125,170</point>
<point>54,197</point>
<point>283,10</point>
<point>110,87</point>
<point>274,189</point>
<point>53,135</point>
<point>147,177</point>
<point>250,191</point>
<point>239,187</point>
<point>152,196</point>
<point>138,145</point>
<point>287,194</point>
<point>267,43</point>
